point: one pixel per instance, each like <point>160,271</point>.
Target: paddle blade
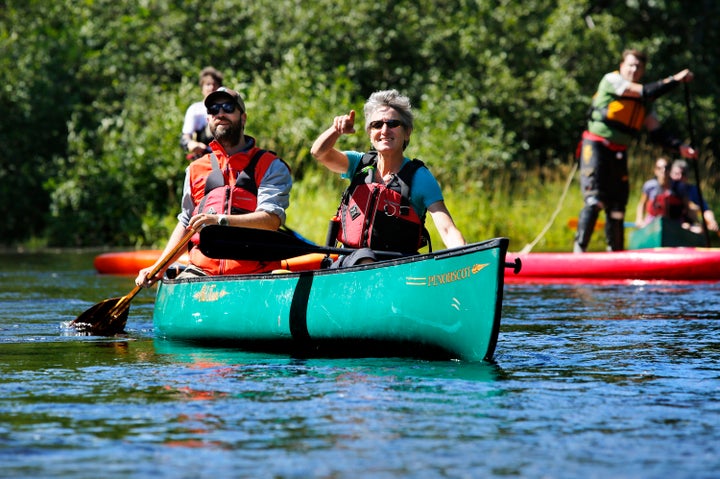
<point>226,242</point>
<point>106,318</point>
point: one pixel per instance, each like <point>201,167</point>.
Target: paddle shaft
<point>159,267</point>
<point>696,167</point>
<point>171,255</point>
<point>237,243</point>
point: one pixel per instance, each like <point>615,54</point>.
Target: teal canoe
<point>444,304</point>
<point>662,233</point>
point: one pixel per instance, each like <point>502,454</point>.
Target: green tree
<point>94,92</point>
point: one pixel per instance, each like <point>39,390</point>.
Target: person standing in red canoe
<point>621,108</point>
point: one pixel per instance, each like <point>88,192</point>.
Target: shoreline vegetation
<point>96,93</point>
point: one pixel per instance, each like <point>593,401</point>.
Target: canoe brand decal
<point>208,294</point>
<point>445,278</point>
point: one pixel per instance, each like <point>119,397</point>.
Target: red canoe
<point>130,262</point>
<point>126,262</point>
<point>658,264</point>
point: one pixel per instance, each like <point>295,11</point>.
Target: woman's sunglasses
<point>227,107</point>
<point>378,124</point>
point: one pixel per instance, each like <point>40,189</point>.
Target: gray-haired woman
<point>384,207</point>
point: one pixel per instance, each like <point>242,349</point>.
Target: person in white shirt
<point>196,135</point>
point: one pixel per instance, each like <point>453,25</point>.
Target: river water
<point>589,381</point>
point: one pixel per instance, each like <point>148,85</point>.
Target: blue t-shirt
<point>693,194</point>
<point>425,189</point>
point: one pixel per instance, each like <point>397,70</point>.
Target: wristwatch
<point>223,220</point>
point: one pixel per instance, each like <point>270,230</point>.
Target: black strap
<point>406,175</point>
<point>245,178</point>
<point>215,179</point>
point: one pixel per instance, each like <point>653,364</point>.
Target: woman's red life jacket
<point>230,191</point>
<point>667,204</point>
<point>379,215</point>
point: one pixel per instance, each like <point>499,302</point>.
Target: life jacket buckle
<point>354,211</point>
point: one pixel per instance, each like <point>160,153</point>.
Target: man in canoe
<point>679,173</point>
<point>385,205</point>
<point>237,184</point>
<point>621,108</point>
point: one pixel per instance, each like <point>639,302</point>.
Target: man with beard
<point>236,184</point>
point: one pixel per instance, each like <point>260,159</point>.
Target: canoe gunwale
<point>501,243</point>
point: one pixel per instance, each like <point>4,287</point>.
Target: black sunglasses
<point>227,107</point>
<point>378,124</point>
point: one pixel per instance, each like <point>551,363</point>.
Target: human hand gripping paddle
<point>108,317</point>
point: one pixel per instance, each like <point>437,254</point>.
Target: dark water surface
<point>603,381</point>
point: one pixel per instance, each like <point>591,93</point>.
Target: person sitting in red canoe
<point>679,173</point>
<point>662,197</point>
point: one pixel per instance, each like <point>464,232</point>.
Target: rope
<point>530,246</point>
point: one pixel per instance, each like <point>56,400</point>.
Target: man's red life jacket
<point>231,190</point>
<point>379,215</point>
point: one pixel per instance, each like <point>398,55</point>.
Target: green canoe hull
<point>661,232</point>
<point>446,303</point>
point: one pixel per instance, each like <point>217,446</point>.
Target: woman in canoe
<point>661,197</point>
<point>389,195</point>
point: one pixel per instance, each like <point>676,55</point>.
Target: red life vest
<point>667,204</point>
<point>231,190</point>
<point>379,215</point>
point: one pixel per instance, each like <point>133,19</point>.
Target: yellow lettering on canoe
<point>208,294</point>
<point>445,278</point>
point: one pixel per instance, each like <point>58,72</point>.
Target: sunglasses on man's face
<point>378,124</point>
<point>227,107</point>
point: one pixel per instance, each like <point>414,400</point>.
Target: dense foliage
<point>93,92</point>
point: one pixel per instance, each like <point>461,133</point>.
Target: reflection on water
<point>588,381</point>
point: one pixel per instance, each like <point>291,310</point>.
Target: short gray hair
<point>393,99</point>
<point>682,165</point>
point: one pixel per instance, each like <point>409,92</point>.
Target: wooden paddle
<point>108,317</point>
<point>264,245</point>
